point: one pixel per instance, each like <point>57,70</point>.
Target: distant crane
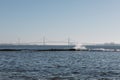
<point>68,41</point>
<point>44,41</point>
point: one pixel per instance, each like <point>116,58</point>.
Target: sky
<point>83,21</point>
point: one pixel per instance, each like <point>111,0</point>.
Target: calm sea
<point>59,65</point>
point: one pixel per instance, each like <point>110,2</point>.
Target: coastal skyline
<point>84,21</point>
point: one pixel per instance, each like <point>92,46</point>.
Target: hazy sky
<point>85,21</point>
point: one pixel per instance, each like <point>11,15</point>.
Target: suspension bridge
<point>48,42</point>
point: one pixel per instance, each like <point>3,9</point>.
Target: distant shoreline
<point>38,50</point>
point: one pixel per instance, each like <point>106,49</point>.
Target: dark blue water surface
<point>59,65</point>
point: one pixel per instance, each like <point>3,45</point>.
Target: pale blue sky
<point>85,21</point>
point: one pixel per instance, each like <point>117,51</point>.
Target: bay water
<point>59,65</point>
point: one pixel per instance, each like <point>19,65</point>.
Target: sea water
<point>59,65</point>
